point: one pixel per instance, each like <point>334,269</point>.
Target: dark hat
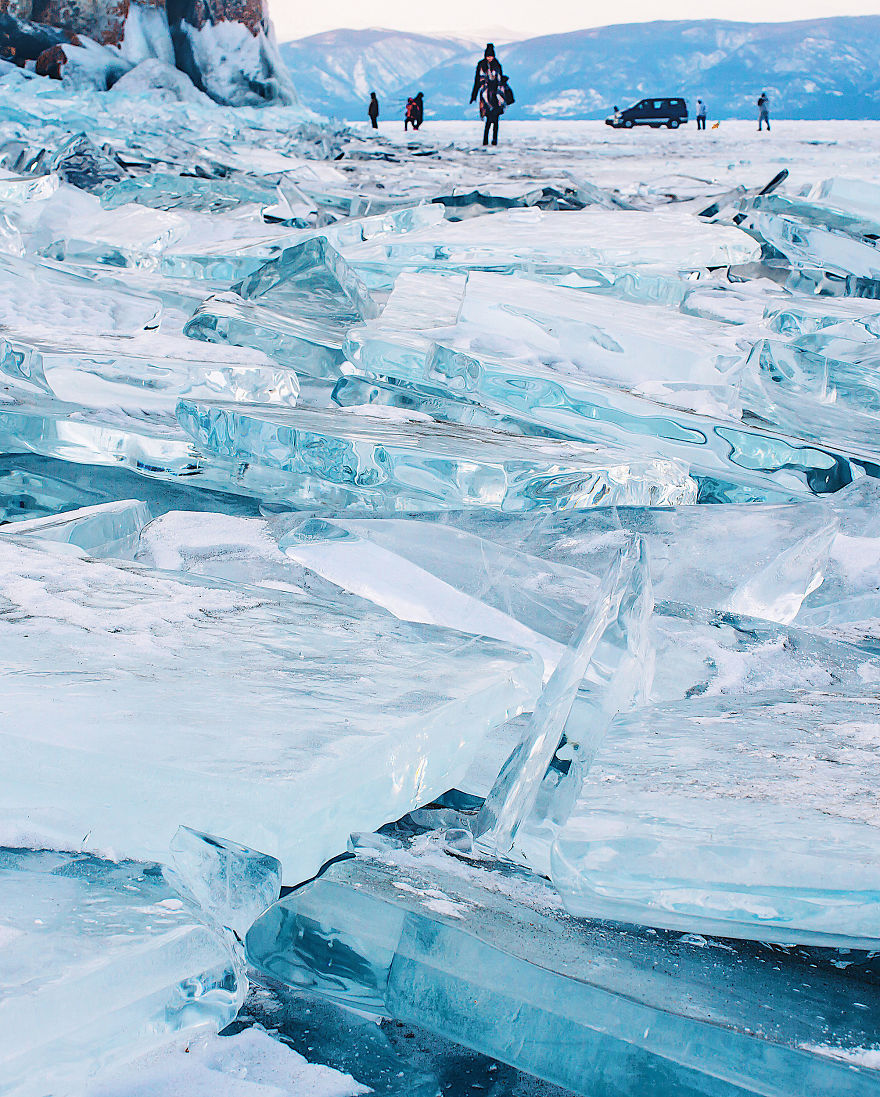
<point>489,49</point>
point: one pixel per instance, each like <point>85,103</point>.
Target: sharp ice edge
<point>479,392</point>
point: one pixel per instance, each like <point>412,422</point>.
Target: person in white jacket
<point>701,114</point>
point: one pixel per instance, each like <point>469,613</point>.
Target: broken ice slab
<point>297,308</point>
<point>821,388</point>
<point>100,961</point>
<point>32,486</point>
<point>847,604</point>
<point>698,654</point>
<point>71,226</point>
<point>577,367</point>
<point>562,242</point>
<point>817,241</point>
<point>796,316</point>
<point>230,884</point>
<point>675,360</point>
<point>148,371</point>
<point>308,717</point>
<point>489,959</point>
<point>164,191</point>
<point>414,400</point>
<point>422,571</point>
<point>42,295</point>
<point>108,529</point>
<point>313,281</point>
<point>757,560</point>
<point>313,349</point>
<point>388,465</point>
<point>757,821</point>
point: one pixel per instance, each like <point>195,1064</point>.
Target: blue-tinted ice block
<point>387,465</point>
<point>607,1010</point>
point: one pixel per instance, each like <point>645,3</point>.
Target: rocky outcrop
<point>225,47</point>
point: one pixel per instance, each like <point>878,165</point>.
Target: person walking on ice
<point>763,112</point>
<point>701,114</point>
<point>490,85</point>
<point>373,111</point>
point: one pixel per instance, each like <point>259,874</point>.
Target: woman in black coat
<point>489,85</point>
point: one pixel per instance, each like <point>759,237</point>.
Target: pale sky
<point>525,18</point>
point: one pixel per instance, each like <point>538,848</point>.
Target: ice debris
<point>353,486</point>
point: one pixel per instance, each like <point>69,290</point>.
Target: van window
<point>658,104</point>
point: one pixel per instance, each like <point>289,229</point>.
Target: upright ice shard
<point>100,961</point>
<point>231,884</point>
<point>606,667</point>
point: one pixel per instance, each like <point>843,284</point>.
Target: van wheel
<point>672,123</point>
<point>627,125</point>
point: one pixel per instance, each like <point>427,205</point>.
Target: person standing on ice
<point>409,117</point>
<point>763,111</point>
<point>373,110</point>
<point>419,114</point>
<point>701,114</point>
<point>489,85</point>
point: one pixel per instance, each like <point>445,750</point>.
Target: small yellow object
<point>715,125</point>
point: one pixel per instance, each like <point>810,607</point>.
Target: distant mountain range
<point>817,68</point>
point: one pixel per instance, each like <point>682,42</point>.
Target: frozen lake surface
<point>505,519</point>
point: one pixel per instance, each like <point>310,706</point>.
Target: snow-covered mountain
<point>336,71</point>
<point>818,68</point>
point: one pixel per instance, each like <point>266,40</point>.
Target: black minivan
<point>650,112</point>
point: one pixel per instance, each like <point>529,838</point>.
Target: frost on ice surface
<point>318,455</point>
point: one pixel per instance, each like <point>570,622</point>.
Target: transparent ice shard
<point>755,821</point>
<point>818,239</point>
<point>424,571</point>
<point>820,387</point>
<point>164,191</point>
<point>82,164</point>
<point>306,718</point>
<point>847,603</point>
<point>101,961</point>
<point>490,960</point>
<point>108,529</point>
<point>229,883</point>
<point>760,560</point>
<point>311,280</point>
<point>386,466</point>
<point>312,349</point>
<point>607,665</point>
<point>149,371</point>
<point>32,486</point>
